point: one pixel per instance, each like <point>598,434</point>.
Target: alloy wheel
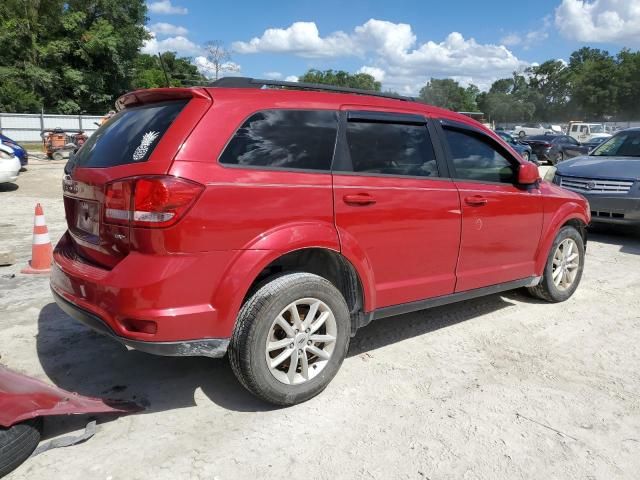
<point>301,341</point>
<point>566,262</point>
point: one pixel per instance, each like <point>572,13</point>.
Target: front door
<point>392,201</point>
<point>501,221</point>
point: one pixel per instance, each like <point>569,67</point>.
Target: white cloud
<point>181,45</point>
<point>208,69</point>
<point>406,64</point>
<point>273,75</point>
<point>165,7</point>
<point>375,72</point>
<point>614,21</point>
<point>291,78</point>
<point>162,28</point>
<point>301,38</point>
<point>511,40</point>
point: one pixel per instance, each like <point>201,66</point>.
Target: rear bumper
<point>173,293</point>
<point>210,347</point>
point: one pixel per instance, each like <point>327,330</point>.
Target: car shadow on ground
<point>79,360</point>
<point>8,187</point>
<point>626,237</point>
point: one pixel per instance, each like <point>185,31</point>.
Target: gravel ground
<point>498,387</point>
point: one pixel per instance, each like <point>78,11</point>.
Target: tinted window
<point>474,158</point>
<point>129,137</point>
<point>286,139</point>
<point>391,148</point>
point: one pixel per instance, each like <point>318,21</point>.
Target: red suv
<point>271,220</point>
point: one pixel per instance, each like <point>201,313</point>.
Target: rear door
<point>572,147</point>
<point>392,199</point>
<point>141,139</point>
<point>501,221</point>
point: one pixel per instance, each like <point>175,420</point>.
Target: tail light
<point>153,202</point>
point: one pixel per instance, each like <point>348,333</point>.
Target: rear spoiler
<point>155,95</point>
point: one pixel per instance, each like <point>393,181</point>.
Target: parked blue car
<point>19,151</point>
<point>523,149</point>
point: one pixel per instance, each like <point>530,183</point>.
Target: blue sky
<point>402,43</point>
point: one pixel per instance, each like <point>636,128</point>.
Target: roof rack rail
<point>247,82</point>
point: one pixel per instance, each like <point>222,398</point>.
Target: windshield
<point>626,144</point>
<point>597,128</point>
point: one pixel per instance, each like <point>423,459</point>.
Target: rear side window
<point>391,149</point>
<point>290,139</point>
<point>130,136</point>
<point>474,158</point>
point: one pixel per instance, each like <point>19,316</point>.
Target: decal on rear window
<point>147,139</point>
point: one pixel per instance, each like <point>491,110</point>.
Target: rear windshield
<point>129,136</point>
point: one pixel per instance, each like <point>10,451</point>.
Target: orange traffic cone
<point>41,251</point>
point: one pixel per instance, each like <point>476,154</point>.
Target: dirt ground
<point>501,387</point>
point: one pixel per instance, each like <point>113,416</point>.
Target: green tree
<point>593,76</point>
<point>148,72</point>
<point>628,88</point>
<point>550,82</point>
<point>340,78</point>
<point>68,56</point>
<point>447,93</point>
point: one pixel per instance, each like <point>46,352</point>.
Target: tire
<point>257,325</point>
<point>57,156</point>
<point>522,134</point>
<point>559,158</point>
<point>526,156</point>
<point>17,443</point>
<point>548,289</point>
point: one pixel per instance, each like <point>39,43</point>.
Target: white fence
<point>26,127</point>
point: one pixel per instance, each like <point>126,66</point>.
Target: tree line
<point>78,56</point>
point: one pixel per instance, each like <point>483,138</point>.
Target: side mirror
<point>528,174</point>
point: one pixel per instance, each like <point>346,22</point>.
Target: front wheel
<point>526,156</point>
<point>522,134</point>
<point>290,339</point>
<point>563,270</point>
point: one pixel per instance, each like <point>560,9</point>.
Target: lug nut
<point>300,351</point>
<point>308,342</point>
<point>307,330</point>
<point>291,345</point>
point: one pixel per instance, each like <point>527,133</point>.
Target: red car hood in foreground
<point>22,398</point>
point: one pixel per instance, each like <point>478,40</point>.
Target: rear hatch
<point>135,147</point>
<point>538,146</point>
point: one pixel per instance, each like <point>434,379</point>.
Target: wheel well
<point>580,226</point>
<point>322,262</point>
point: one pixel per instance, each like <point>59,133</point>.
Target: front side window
<point>474,158</point>
<point>391,149</point>
<point>290,139</point>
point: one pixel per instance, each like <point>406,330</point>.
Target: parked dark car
<point>594,142</point>
<point>609,177</point>
<point>18,150</point>
<point>522,148</point>
<point>555,148</point>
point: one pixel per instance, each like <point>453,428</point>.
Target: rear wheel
<point>522,134</point>
<point>563,269</point>
<point>58,156</point>
<point>290,338</point>
<point>559,157</point>
<point>526,156</point>
<point>17,443</point>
